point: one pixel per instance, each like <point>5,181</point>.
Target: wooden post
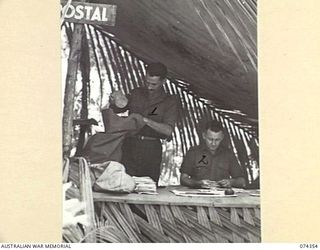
<point>85,73</point>
<point>73,62</point>
<point>68,104</point>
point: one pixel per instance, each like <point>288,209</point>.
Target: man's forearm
<point>159,127</point>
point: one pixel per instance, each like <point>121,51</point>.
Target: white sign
<point>103,14</point>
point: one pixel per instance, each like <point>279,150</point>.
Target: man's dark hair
<point>157,69</point>
<point>214,126</point>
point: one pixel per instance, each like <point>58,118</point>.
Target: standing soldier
<point>142,153</point>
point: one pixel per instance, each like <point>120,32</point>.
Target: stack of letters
<point>145,185</point>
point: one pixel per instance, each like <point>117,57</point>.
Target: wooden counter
<point>166,217</point>
<point>166,197</point>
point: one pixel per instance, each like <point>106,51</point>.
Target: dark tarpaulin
<point>106,146</point>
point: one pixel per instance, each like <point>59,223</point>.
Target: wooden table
<point>166,217</point>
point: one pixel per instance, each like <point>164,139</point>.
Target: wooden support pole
<point>73,62</point>
<point>85,73</point>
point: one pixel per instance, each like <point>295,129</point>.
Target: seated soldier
<point>211,162</point>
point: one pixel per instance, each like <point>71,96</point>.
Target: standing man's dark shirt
<point>142,154</point>
<point>162,109</point>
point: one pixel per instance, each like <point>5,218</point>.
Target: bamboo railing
<point>165,217</point>
<point>178,224</point>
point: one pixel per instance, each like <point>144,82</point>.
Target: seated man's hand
<point>226,183</point>
<point>205,184</point>
<point>208,184</point>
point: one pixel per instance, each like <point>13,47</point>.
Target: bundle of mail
<point>202,193</point>
<point>145,185</point>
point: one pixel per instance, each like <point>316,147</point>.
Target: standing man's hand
<point>159,127</point>
<point>139,118</point>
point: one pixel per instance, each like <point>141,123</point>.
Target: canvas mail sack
<point>112,177</point>
<point>109,176</point>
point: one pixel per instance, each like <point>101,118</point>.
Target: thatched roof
<point>210,44</point>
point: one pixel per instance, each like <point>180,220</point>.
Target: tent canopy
<point>208,44</point>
